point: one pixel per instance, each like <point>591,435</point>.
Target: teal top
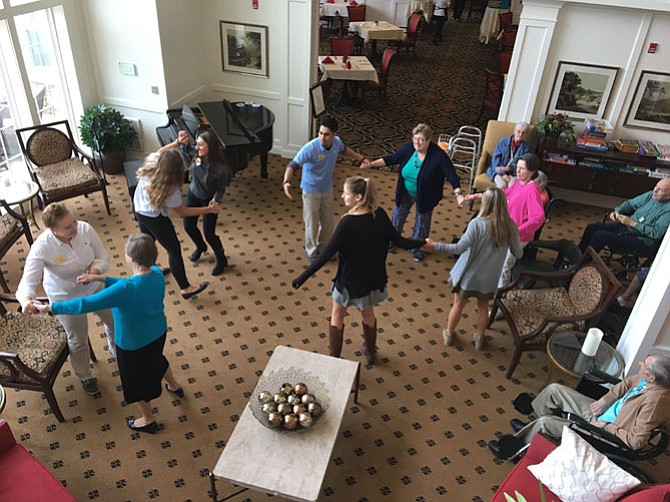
<point>410,173</point>
<point>136,303</point>
<point>652,216</point>
<point>610,415</point>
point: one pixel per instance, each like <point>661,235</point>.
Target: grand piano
<point>244,129</point>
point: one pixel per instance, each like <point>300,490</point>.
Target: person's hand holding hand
<point>213,207</point>
<point>461,199</point>
<point>44,308</point>
<point>287,191</point>
<point>429,245</point>
<point>89,277</point>
<point>597,407</point>
<point>365,163</point>
<point>472,196</point>
<point>182,138</point>
<point>32,307</point>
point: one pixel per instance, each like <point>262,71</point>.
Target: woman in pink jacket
<point>525,207</point>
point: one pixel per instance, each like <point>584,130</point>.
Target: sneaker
<point>90,385</point>
<point>447,337</point>
<point>418,256</point>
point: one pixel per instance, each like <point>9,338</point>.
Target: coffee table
<point>288,464</point>
<point>565,351</point>
<point>19,192</point>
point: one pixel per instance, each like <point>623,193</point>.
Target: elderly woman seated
<point>502,170</point>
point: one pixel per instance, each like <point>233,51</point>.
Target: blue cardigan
<point>501,156</point>
<point>436,168</point>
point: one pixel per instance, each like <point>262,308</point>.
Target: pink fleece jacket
<point>525,208</point>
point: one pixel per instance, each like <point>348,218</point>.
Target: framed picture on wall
<point>244,48</point>
<point>318,100</point>
<point>581,90</point>
<point>650,107</point>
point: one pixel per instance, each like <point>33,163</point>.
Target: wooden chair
<point>506,43</point>
<point>12,227</point>
<point>504,60</point>
<point>505,18</point>
<point>32,352</point>
<point>493,93</point>
<point>534,314</point>
<point>414,27</point>
<point>341,46</point>
<point>356,13</point>
<point>382,75</point>
<point>59,167</point>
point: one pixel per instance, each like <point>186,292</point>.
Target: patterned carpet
<point>425,412</point>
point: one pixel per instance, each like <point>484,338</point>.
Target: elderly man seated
<point>631,410</point>
<point>636,226</point>
<point>502,170</point>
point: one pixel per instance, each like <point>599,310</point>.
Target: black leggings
<point>208,224</point>
<point>162,230</point>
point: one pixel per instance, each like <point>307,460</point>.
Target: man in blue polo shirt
<point>317,159</point>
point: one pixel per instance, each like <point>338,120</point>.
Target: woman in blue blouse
<point>139,318</point>
<point>423,168</point>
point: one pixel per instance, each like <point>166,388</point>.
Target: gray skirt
<point>371,299</point>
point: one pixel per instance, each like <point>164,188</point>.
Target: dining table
<point>359,69</point>
<point>371,31</point>
<point>336,8</point>
<point>423,5</point>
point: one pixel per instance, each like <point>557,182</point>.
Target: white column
<point>533,41</point>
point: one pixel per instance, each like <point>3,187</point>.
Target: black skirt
<point>142,370</point>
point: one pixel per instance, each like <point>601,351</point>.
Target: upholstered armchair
<point>32,351</point>
<point>12,227</point>
<point>60,168</point>
<point>534,314</point>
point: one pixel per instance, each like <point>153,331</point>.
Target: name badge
<point>60,259</point>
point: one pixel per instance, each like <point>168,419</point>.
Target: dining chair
<point>382,75</point>
<point>60,168</point>
<point>493,93</point>
<point>505,18</point>
<point>504,60</point>
<point>414,27</point>
<point>506,42</point>
<point>341,46</point>
<point>356,13</point>
<point>12,227</point>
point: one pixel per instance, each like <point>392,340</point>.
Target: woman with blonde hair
<point>158,189</point>
<point>482,251</point>
<point>361,238</point>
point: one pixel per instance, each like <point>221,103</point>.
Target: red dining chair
<point>507,41</point>
<point>505,18</point>
<point>382,75</point>
<point>356,13</point>
<point>504,60</point>
<point>414,27</point>
<point>492,95</point>
<point>341,46</point>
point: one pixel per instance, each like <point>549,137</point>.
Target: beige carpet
<point>425,413</point>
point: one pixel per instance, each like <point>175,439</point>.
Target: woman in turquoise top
<point>139,318</point>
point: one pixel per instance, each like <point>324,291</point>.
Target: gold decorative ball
<point>290,422</point>
<point>284,408</point>
<point>275,419</point>
<point>265,397</point>
<point>308,398</point>
<point>293,399</point>
<point>269,408</point>
<point>315,409</point>
<point>300,389</point>
<point>279,398</point>
<point>299,408</point>
<point>305,420</point>
<point>286,388</point>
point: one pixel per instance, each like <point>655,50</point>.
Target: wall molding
<point>246,91</point>
<point>131,103</point>
<point>189,97</point>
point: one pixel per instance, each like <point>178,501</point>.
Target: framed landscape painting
<point>650,107</point>
<point>244,48</point>
<point>581,90</point>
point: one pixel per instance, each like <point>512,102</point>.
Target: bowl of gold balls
<point>290,400</point>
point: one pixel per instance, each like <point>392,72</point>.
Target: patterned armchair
<point>60,168</point>
<point>32,352</point>
<point>534,314</point>
<point>12,227</point>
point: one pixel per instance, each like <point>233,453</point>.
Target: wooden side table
<point>565,351</point>
<point>20,192</point>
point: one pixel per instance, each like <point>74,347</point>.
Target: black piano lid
<point>237,123</point>
<point>191,122</point>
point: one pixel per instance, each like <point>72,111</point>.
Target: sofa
<point>24,478</point>
<point>523,481</point>
<point>495,131</point>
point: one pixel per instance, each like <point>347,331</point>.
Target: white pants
<point>76,327</point>
<point>506,274</point>
<point>555,398</point>
<point>318,213</point>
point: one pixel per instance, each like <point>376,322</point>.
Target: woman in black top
<point>209,177</point>
<point>361,238</point>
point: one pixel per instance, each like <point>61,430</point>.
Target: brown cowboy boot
<point>369,346</point>
<point>335,337</point>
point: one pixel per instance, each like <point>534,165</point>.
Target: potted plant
<point>107,133</point>
<point>556,127</point>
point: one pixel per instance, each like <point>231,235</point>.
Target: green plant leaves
<point>106,130</point>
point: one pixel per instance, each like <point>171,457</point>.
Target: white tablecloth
<point>332,9</point>
<point>425,5</point>
<point>361,69</point>
<point>371,30</point>
<point>490,27</point>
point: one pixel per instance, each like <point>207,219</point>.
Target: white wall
<point>590,32</point>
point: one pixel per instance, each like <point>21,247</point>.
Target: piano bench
<point>130,167</point>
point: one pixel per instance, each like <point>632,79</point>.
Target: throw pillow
<point>577,472</point>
